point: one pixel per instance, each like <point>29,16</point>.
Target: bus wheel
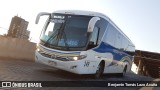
<point>124,71</point>
<point>100,70</point>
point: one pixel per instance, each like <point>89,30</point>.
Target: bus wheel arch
<point>100,69</point>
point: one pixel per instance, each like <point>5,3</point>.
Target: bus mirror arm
<point>92,23</point>
<point>41,14</point>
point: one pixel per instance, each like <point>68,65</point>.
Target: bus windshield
<point>66,32</point>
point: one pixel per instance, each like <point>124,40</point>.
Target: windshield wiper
<point>59,33</point>
<point>64,35</point>
<point>65,40</point>
<point>56,33</point>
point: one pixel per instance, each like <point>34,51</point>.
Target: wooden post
<point>144,70</point>
<point>140,67</point>
<point>140,64</point>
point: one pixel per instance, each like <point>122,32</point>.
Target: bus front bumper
<point>77,67</point>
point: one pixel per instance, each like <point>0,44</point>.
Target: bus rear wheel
<point>124,71</point>
<point>99,71</point>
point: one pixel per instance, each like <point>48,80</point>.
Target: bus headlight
<point>77,57</point>
<point>38,49</point>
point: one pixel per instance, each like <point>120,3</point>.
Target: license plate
<point>52,63</point>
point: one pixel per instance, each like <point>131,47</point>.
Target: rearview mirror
<point>41,14</point>
<point>92,22</point>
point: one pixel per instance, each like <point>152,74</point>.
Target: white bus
<point>83,42</point>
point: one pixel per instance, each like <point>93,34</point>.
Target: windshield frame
<point>65,47</point>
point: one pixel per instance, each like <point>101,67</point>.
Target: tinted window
<point>110,38</point>
<point>118,42</point>
<point>66,32</point>
<point>94,35</point>
<point>102,24</point>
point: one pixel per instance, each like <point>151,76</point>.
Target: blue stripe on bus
<point>117,54</point>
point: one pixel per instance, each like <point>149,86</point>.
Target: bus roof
<point>80,12</point>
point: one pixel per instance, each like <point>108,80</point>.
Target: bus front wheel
<point>100,69</point>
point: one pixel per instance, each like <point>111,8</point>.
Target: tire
<point>99,71</point>
<point>124,72</point>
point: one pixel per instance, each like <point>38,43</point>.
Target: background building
<point>18,28</point>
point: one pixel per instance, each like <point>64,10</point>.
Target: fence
<point>148,63</point>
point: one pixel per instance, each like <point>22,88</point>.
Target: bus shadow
<point>71,76</point>
<point>65,75</point>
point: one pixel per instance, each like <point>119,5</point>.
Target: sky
<point>138,19</point>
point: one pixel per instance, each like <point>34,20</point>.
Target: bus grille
<point>54,57</point>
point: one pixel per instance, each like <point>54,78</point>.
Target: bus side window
<point>118,42</point>
<point>94,38</point>
<point>110,38</point>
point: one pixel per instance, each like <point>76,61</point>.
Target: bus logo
<point>86,63</point>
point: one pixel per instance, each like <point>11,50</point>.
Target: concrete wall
<point>16,48</point>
